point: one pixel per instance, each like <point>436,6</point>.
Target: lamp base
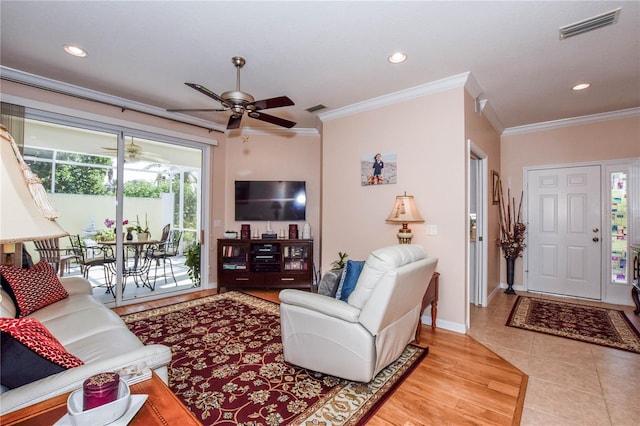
<point>404,237</point>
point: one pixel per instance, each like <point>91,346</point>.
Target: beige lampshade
<point>405,211</point>
<point>25,211</point>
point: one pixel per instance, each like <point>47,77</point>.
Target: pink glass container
<point>100,389</point>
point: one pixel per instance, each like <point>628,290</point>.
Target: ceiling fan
<point>133,152</point>
<point>239,102</point>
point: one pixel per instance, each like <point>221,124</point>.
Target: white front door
<point>564,236</point>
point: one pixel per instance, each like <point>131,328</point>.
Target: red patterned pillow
<point>33,288</point>
<point>30,352</point>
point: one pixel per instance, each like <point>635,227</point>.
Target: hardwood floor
<point>460,382</point>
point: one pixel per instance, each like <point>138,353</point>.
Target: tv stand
<point>265,264</point>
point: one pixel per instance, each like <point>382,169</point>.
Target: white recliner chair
<point>356,339</point>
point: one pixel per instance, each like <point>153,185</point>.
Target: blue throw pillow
<point>349,279</point>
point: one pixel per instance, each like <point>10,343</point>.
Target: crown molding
<point>574,121</point>
<point>466,80</point>
<point>397,97</point>
<point>273,131</point>
<point>485,107</point>
<point>45,109</point>
<point>63,88</point>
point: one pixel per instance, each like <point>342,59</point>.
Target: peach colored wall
<point>218,203</point>
<point>591,142</point>
<point>427,135</point>
<point>484,136</point>
<point>604,140</point>
<point>266,156</point>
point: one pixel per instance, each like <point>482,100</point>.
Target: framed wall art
<point>378,168</point>
<point>495,177</point>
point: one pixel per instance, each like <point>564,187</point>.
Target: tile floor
<point>570,382</point>
<point>132,292</point>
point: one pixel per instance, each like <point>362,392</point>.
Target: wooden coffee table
<point>161,408</point>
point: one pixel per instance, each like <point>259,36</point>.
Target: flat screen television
<point>270,200</point>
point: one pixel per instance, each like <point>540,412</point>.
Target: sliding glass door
<point>161,195</point>
<point>130,200</point>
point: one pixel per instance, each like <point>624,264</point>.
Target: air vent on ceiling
<point>315,108</point>
<point>596,22</point>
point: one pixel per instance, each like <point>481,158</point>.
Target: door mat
<point>591,324</point>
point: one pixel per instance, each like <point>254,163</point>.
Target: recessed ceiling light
<point>581,86</point>
<point>75,51</point>
<point>397,58</point>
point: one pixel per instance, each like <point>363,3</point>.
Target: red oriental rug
<point>229,369</point>
<point>591,324</point>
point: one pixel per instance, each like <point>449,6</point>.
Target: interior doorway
<point>477,225</point>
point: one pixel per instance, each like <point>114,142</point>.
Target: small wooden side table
<point>161,408</point>
<point>430,298</point>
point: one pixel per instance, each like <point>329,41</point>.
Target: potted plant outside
<point>192,261</point>
<point>129,235</point>
<point>142,231</point>
<point>104,235</point>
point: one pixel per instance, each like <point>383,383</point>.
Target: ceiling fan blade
<point>152,159</point>
<point>271,119</point>
<point>234,122</point>
<point>280,101</point>
<point>200,88</point>
<point>196,109</point>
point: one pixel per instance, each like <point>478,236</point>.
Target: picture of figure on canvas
<point>378,168</point>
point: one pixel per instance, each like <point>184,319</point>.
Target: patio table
<point>140,264</point>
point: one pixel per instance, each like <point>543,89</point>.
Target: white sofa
<point>358,338</point>
<point>90,331</point>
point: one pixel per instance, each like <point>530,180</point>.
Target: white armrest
<point>76,285</point>
<point>319,303</point>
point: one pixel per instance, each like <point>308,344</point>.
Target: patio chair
<point>50,251</point>
<point>89,257</point>
<point>164,253</point>
<point>164,236</point>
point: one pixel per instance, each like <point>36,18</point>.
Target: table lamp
<point>26,214</point>
<point>404,211</point>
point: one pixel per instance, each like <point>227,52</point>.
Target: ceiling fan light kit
<point>134,153</point>
<point>239,102</point>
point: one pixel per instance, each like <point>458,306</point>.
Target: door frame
<point>481,191</point>
<point>632,166</point>
<point>119,129</point>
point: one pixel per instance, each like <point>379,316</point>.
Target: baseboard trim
<point>444,324</point>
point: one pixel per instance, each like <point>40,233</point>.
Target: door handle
<point>595,229</point>
<point>596,239</point>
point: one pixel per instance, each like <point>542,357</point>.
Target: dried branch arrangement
<point>512,229</point>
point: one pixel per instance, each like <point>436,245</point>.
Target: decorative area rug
<point>601,326</point>
<point>228,366</point>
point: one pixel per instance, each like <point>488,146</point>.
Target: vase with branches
<point>512,233</point>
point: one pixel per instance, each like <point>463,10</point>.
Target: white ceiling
<point>331,53</point>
